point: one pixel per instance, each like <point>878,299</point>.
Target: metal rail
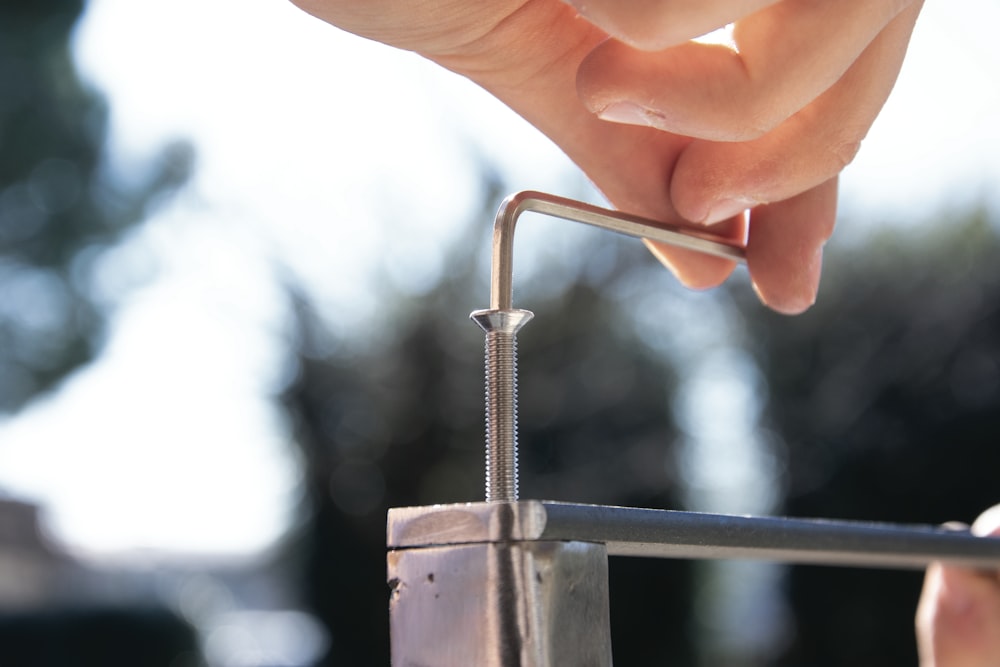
<point>651,533</point>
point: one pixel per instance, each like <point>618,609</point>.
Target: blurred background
<point>238,249</point>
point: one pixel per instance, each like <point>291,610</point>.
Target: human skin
<point>679,131</point>
<point>958,618</point>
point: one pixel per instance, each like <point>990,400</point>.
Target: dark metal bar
<point>671,534</point>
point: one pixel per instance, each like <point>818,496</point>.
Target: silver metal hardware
<point>502,320</point>
<point>501,399</point>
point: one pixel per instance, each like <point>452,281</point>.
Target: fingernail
<point>628,113</point>
<point>725,209</point>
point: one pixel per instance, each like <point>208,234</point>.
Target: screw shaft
<point>501,416</point>
<point>501,328</point>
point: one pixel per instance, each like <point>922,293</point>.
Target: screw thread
<point>501,416</point>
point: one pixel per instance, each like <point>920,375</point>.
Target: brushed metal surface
<point>500,604</point>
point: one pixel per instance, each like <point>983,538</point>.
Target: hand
<point>958,618</point>
<point>707,132</point>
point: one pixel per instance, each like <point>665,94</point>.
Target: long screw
<point>501,327</point>
<point>502,321</point>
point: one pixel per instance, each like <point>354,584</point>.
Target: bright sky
<point>332,155</point>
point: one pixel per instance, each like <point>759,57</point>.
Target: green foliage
<point>97,637</point>
<point>60,206</point>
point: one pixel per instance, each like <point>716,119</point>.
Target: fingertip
<point>988,523</point>
<point>785,248</point>
<point>605,76</point>
<point>785,268</point>
<point>957,594</point>
<point>957,617</point>
<point>784,287</point>
<point>703,188</point>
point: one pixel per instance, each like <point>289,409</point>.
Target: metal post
<point>500,604</point>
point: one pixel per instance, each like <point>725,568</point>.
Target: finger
<point>785,247</point>
<point>958,615</point>
<point>957,618</point>
<point>786,56</point>
<point>657,24</point>
<point>694,269</point>
<point>713,180</point>
<point>988,522</point>
<point>926,612</point>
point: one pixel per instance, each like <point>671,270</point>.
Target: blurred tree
<point>887,394</point>
<point>98,637</point>
<point>60,209</point>
<point>398,420</point>
<point>60,205</point>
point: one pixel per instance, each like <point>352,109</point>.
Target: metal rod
<point>671,534</point>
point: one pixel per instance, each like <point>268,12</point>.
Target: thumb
<point>958,619</point>
<point>988,523</point>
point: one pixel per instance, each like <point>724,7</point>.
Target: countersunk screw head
<point>506,321</point>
